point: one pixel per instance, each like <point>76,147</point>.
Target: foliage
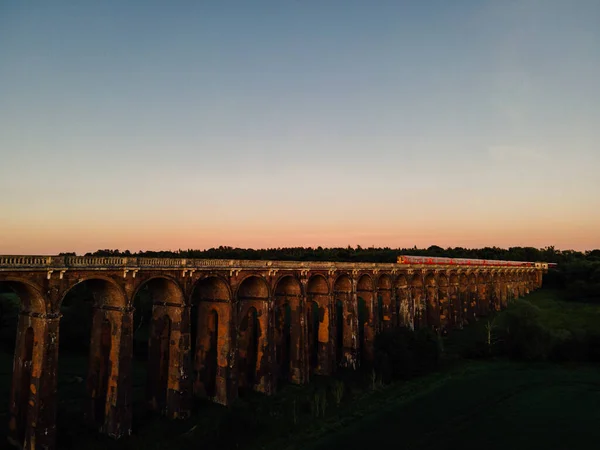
<point>523,334</point>
<point>370,254</point>
<point>542,326</point>
<point>338,389</point>
<point>402,353</point>
<point>10,306</point>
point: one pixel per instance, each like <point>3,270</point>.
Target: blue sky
<point>148,125</point>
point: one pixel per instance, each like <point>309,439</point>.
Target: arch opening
<point>385,309</point>
<point>313,321</point>
<point>339,327</point>
<point>284,342</point>
<point>210,338</point>
<point>344,320</point>
<point>318,312</point>
<point>88,345</point>
<point>445,307</point>
<point>287,329</point>
<point>365,306</point>
<point>404,309</point>
<point>101,365</point>
<point>416,292</point>
<point>455,300</point>
<point>25,380</point>
<point>432,309</point>
<point>19,301</point>
<point>472,295</point>
<point>253,365</point>
<point>248,352</point>
<point>161,331</point>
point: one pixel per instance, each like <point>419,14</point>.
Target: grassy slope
<point>489,405</point>
<point>572,316</point>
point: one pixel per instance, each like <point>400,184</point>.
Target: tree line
<point>369,254</point>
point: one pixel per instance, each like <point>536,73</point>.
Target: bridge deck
<point>9,262</point>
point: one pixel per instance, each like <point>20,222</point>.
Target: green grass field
<point>485,405</point>
<point>557,314</point>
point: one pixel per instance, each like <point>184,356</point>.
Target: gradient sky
<point>149,125</point>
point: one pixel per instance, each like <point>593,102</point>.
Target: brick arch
<point>386,308</point>
<point>404,305</point>
<point>444,302</point>
<point>254,369</point>
<point>317,284</point>
<point>384,281</point>
<point>110,352</point>
<point>345,321</point>
<point>531,279</point>
<point>455,299</point>
<point>365,308</point>
<point>432,309</point>
<point>252,286</point>
<point>107,292</point>
<point>166,289</point>
<point>33,365</point>
<point>318,314</point>
<point>401,281</point>
<point>417,295</point>
<point>165,286</point>
<point>211,338</point>
<point>463,280</point>
<point>30,295</point>
<point>522,283</point>
<point>251,355</point>
<point>483,293</point>
<point>342,282</point>
<point>288,329</point>
<point>495,294</point>
<point>211,288</point>
<point>168,351</point>
<point>503,287</point>
<point>365,282</point>
<point>287,284</point>
<point>472,305</point>
<point>511,284</point>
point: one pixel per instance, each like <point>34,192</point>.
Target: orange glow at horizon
<point>136,237</point>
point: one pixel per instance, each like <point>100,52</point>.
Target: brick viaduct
<point>257,322</point>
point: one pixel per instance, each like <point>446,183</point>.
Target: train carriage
<point>439,260</point>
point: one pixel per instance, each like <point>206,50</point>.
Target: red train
<point>407,259</point>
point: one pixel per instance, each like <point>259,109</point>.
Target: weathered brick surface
<point>254,320</point>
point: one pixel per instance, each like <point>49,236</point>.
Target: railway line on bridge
<point>256,322</point>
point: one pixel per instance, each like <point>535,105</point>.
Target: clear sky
<point>149,125</point>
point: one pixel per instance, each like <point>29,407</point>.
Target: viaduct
<point>254,323</point>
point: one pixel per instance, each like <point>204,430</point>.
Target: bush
<point>394,353</point>
<point>583,291</point>
<point>593,347</point>
<point>427,350</point>
<point>576,348</point>
<point>401,353</point>
<point>569,348</point>
<point>523,335</point>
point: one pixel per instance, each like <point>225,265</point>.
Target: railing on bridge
<point>108,262</point>
<point>26,260</point>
